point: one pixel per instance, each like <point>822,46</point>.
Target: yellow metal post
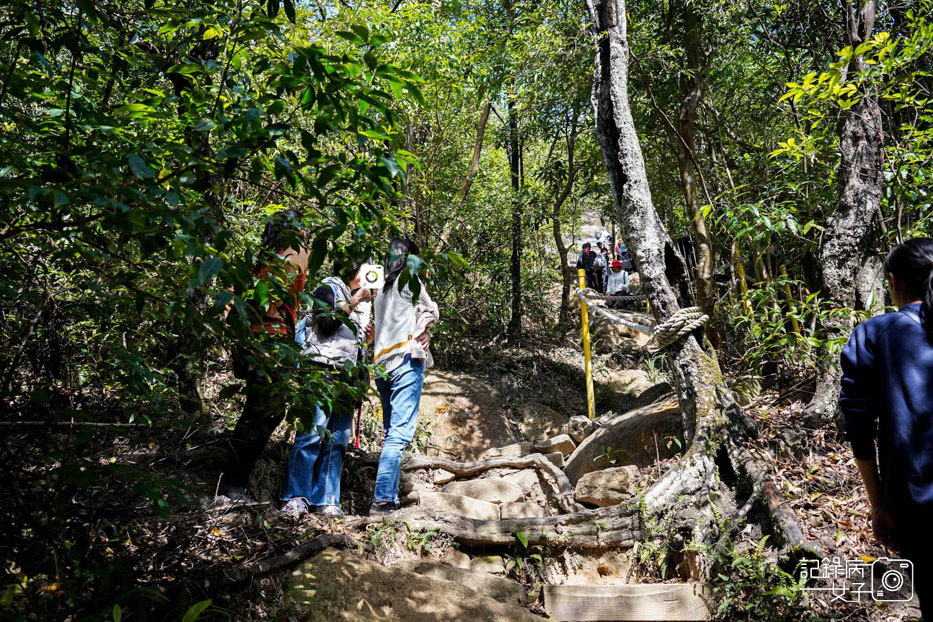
<point>588,361</point>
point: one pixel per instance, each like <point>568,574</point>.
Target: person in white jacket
<point>402,348</point>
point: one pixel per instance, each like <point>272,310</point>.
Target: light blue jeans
<point>401,397</point>
<point>315,463</point>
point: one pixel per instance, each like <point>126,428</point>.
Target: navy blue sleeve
<point>855,397</point>
<point>325,319</point>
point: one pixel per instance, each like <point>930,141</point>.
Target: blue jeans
<point>315,463</point>
<point>401,396</point>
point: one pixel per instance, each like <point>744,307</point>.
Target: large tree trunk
<point>846,236</point>
<point>663,272</point>
<point>515,267</point>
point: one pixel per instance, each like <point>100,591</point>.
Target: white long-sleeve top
<point>398,322</point>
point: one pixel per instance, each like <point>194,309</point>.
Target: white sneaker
<point>330,511</point>
<point>296,506</point>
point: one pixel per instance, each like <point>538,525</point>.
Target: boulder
<point>540,422</point>
<point>338,585</point>
<point>561,443</point>
<point>607,487</point>
<point>622,388</point>
<point>498,588</point>
<point>526,479</point>
<point>659,601</point>
<point>579,427</point>
<point>492,564</point>
<point>442,477</point>
<point>556,458</point>
<point>608,335</point>
<point>652,395</point>
<point>457,559</point>
<point>628,439</point>
<point>521,510</point>
<point>464,414</point>
<point>491,490</point>
<point>456,504</point>
<point>515,450</point>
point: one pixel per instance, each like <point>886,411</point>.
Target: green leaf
<point>209,268</point>
<point>196,610</point>
<point>203,125</point>
<point>212,33</point>
<point>289,6</point>
<point>139,167</point>
<point>521,538</point>
<point>117,613</point>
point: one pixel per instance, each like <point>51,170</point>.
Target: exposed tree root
<point>565,499</point>
<point>612,527</point>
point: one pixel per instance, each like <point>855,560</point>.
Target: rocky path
<point>564,498</point>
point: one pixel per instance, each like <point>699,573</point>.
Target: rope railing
<point>680,324</point>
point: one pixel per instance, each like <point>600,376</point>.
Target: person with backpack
<point>887,403</point>
<point>402,350</point>
<point>282,258</point>
<point>585,261</point>
<point>332,337</point>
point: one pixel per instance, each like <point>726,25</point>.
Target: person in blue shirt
<point>887,400</point>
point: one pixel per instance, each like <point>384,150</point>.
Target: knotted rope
<point>680,324</point>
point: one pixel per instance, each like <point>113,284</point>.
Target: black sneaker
<point>382,508</point>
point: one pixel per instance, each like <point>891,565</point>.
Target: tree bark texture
<point>861,144</point>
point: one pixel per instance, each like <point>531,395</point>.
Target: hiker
<point>607,262</point>
<point>402,341</point>
<point>282,254</point>
<point>599,268</point>
<point>887,382</point>
<point>585,262</point>
<point>618,279</point>
<point>627,264</point>
<point>333,346</point>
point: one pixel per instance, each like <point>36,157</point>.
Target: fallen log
<point>565,499</point>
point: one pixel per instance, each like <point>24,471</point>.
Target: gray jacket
<point>326,339</point>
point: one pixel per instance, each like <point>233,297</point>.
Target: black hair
<point>346,269</point>
<point>587,245</point>
<point>912,264</point>
<point>399,250</point>
<point>280,231</point>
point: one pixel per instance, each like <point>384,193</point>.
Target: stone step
<point>497,588</point>
<point>338,585</point>
<point>627,603</point>
<point>491,490</point>
<point>467,507</point>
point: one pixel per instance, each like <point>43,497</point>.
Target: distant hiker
<point>627,264</point>
<point>887,383</point>
<point>599,269</point>
<point>618,279</point>
<point>607,262</point>
<point>402,342</point>
<point>603,239</point>
<point>282,256</point>
<point>334,348</point>
<point>585,262</point>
